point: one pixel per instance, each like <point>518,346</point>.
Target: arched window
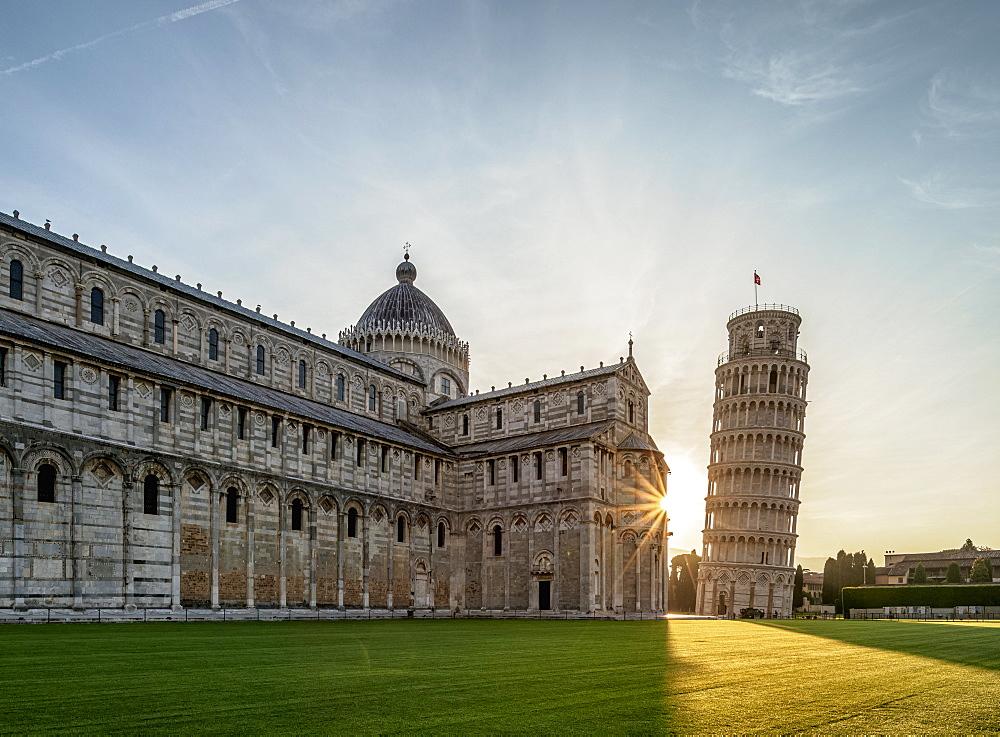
<point>631,412</point>
<point>401,529</point>
<point>340,387</point>
<point>760,331</point>
<point>579,403</point>
<point>302,374</point>
<point>538,411</point>
<point>372,395</point>
<point>260,360</point>
<point>159,327</point>
<point>497,540</point>
<point>16,280</point>
<point>296,514</point>
<point>440,534</point>
<point>772,384</point>
<point>151,495</point>
<point>47,483</point>
<point>97,306</point>
<point>465,424</point>
<point>232,504</point>
<point>499,418</point>
<point>352,522</point>
<point>213,345</point>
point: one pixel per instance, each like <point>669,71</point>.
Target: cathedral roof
<point>516,443</point>
<point>404,304</point>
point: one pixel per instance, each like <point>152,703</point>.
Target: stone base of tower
<point>724,591</point>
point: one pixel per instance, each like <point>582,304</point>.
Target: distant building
<point>899,567</point>
<point>812,586</point>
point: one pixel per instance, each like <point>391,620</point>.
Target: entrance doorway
<point>723,609</point>
<point>545,595</point>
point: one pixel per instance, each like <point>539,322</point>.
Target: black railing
<point>758,308</point>
<point>797,355</point>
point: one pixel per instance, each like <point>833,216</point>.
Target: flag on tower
<point>756,278</point>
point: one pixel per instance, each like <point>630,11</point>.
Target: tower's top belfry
<point>756,465</point>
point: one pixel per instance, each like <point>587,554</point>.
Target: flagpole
<point>755,302</point>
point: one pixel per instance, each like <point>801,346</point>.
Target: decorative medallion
<point>479,467</point>
<point>576,451</point>
<point>372,450</point>
<point>359,382</point>
<point>196,481</point>
<point>266,496</point>
<point>31,361</point>
<point>291,426</point>
<point>377,516</point>
<point>395,455</point>
<point>131,305</point>
<point>524,460</point>
<point>321,434</point>
<point>543,523</point>
<point>503,463</point>
<point>559,397</point>
<point>224,410</point>
<point>481,413</point>
<point>259,418</point>
<point>449,421</point>
<point>143,390</point>
<point>520,524</point>
<point>628,517</point>
<point>601,387</point>
<point>188,322</point>
<point>187,400</point>
<point>549,455</point>
<point>282,355</point>
<point>58,277</point>
<point>88,375</point>
<point>238,338</point>
<point>103,473</point>
<point>569,521</point>
<point>518,405</point>
<point>326,505</point>
<point>474,528</point>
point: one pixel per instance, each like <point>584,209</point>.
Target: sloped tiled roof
<point>941,559</point>
<point>634,442</point>
<point>516,443</point>
<point>100,349</point>
<point>518,388</point>
<point>292,333</point>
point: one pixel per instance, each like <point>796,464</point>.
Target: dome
<point>404,303</point>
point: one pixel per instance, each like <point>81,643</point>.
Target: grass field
<point>462,676</point>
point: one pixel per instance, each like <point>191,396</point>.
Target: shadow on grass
<point>977,646</point>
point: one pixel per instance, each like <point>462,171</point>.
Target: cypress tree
<point>920,575</point>
<point>831,581</point>
<point>870,573</point>
<point>954,573</point>
<point>797,593</point>
<point>981,571</point>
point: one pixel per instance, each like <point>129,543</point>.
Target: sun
<point>663,503</point>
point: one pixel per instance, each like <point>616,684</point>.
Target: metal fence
<point>115,615</point>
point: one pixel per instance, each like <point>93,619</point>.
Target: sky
<point>568,173</point>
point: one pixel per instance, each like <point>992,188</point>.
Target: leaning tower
<point>755,466</point>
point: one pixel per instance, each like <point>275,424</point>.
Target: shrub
<point>920,575</point>
<point>954,573</point>
<point>937,597</point>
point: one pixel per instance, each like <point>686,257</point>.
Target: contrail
<point>155,23</point>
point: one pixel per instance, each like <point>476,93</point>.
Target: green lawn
<point>461,676</point>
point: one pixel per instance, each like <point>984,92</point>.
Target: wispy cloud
<point>147,25</point>
<point>935,189</point>
<point>964,103</point>
<point>793,77</point>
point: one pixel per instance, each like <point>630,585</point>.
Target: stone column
<point>390,554</point>
<point>282,550</point>
<point>554,593</point>
<point>313,553</point>
<point>175,553</point>
<point>115,315</point>
<point>587,555</point>
<point>128,575</point>
<point>364,559</point>
<point>79,305</point>
<point>173,335</point>
<point>17,538</point>
<point>145,326</point>
<point>215,499</point>
<point>341,534</point>
<point>39,277</point>
<point>619,568</point>
<point>251,525</point>
<point>75,547</point>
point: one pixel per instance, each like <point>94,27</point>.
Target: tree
<point>954,573</point>
<point>797,593</point>
<point>981,571</point>
<point>870,573</point>
<point>920,575</point>
<point>969,547</point>
<point>682,595</point>
<point>831,582</point>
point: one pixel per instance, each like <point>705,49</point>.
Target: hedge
<point>937,597</point>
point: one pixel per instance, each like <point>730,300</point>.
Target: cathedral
<point>162,447</point>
